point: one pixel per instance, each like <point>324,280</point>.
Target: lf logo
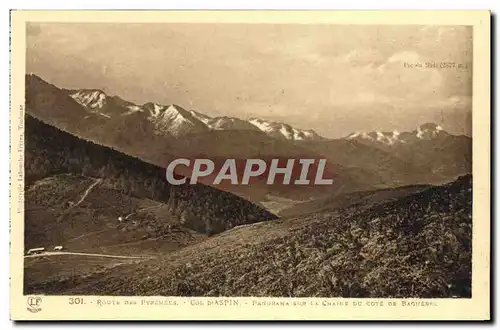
<point>34,304</point>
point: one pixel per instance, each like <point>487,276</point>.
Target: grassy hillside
<point>81,214</point>
<point>361,199</point>
<point>414,246</point>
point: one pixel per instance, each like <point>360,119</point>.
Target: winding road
<point>87,192</point>
<point>47,254</point>
<point>144,209</point>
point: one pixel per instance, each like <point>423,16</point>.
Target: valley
<point>399,208</point>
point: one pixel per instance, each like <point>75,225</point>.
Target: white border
<point>186,4</point>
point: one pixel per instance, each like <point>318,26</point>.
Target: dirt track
<point>46,254</point>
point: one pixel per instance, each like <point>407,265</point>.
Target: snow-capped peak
<point>264,126</point>
<point>172,113</point>
<point>282,130</point>
<point>133,108</point>
<point>90,98</point>
<point>173,120</point>
<point>223,123</point>
<point>423,132</point>
<point>428,131</point>
<point>389,138</point>
<point>201,117</point>
<point>154,109</point>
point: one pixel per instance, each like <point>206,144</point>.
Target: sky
<point>335,79</point>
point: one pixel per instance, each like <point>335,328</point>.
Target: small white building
<point>58,248</point>
<point>36,250</point>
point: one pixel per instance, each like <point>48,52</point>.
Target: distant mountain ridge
<point>176,121</point>
<point>426,131</point>
<point>159,133</point>
<point>428,147</point>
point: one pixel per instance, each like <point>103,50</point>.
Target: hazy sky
<point>335,79</point>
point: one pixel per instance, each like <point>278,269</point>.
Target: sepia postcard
<point>250,165</point>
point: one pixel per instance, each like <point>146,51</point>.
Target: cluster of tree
<point>50,151</point>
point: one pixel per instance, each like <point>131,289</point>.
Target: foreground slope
<point>415,246</point>
<point>362,199</point>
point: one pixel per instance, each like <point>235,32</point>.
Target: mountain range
<point>159,133</point>
<point>173,120</point>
